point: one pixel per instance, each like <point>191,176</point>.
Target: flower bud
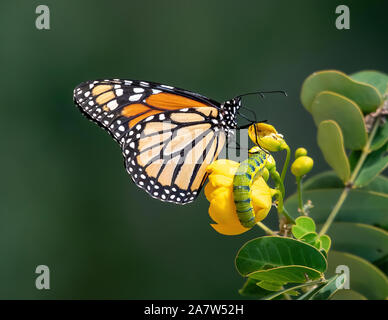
<point>266,137</point>
<point>300,152</point>
<point>301,166</point>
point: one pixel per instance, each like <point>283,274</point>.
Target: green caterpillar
<point>242,183</point>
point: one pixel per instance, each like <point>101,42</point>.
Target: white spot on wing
<point>138,90</point>
<point>135,97</point>
<point>112,104</point>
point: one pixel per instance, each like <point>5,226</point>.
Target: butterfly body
<point>168,135</point>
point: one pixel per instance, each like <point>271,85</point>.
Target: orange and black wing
<point>168,136</point>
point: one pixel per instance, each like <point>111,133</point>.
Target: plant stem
<point>365,151</point>
<point>286,163</point>
<point>277,180</point>
<point>334,212</point>
<point>281,209</point>
<point>300,196</point>
<point>287,215</point>
<point>266,229</point>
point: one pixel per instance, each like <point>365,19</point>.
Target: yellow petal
<point>266,137</point>
<point>261,198</point>
<point>223,167</point>
<point>229,230</point>
<point>222,208</point>
<point>217,181</point>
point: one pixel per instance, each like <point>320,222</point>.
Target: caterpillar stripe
<point>242,183</point>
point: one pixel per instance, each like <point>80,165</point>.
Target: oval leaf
<point>375,78</point>
<point>325,242</point>
<point>270,285</point>
<point>360,206</point>
<point>365,278</point>
<point>375,163</point>
<point>272,252</point>
<point>371,243</point>
<point>329,180</point>
<point>326,290</point>
<point>286,274</point>
<point>347,295</point>
<point>324,180</point>
<point>332,106</point>
<point>381,137</point>
<point>331,143</point>
<point>251,289</point>
<point>302,226</point>
<point>367,97</point>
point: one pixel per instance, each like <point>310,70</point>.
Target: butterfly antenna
<point>261,93</point>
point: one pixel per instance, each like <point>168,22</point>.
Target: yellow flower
<point>266,137</point>
<point>219,192</point>
<point>302,166</point>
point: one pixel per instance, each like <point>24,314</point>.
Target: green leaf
<point>270,285</point>
<point>307,295</point>
<point>381,137</point>
<point>272,253</point>
<point>332,106</point>
<point>250,289</point>
<point>286,274</point>
<point>331,143</point>
<point>292,290</point>
<point>365,278</point>
<point>382,264</point>
<point>353,158</point>
<point>324,180</point>
<point>310,238</point>
<point>325,242</point>
<point>302,226</point>
<point>347,295</point>
<point>293,293</point>
<point>375,78</point>
<point>334,284</point>
<point>374,164</point>
<point>370,243</point>
<point>329,180</point>
<point>360,206</point>
<point>366,96</point>
<point>325,290</point>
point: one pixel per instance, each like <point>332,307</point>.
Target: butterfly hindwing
<point>168,136</point>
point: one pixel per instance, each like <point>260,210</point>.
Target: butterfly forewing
<point>168,136</point>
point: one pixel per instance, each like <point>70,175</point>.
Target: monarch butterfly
<point>242,183</point>
<point>159,129</point>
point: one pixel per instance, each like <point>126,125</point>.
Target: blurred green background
<point>66,200</point>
